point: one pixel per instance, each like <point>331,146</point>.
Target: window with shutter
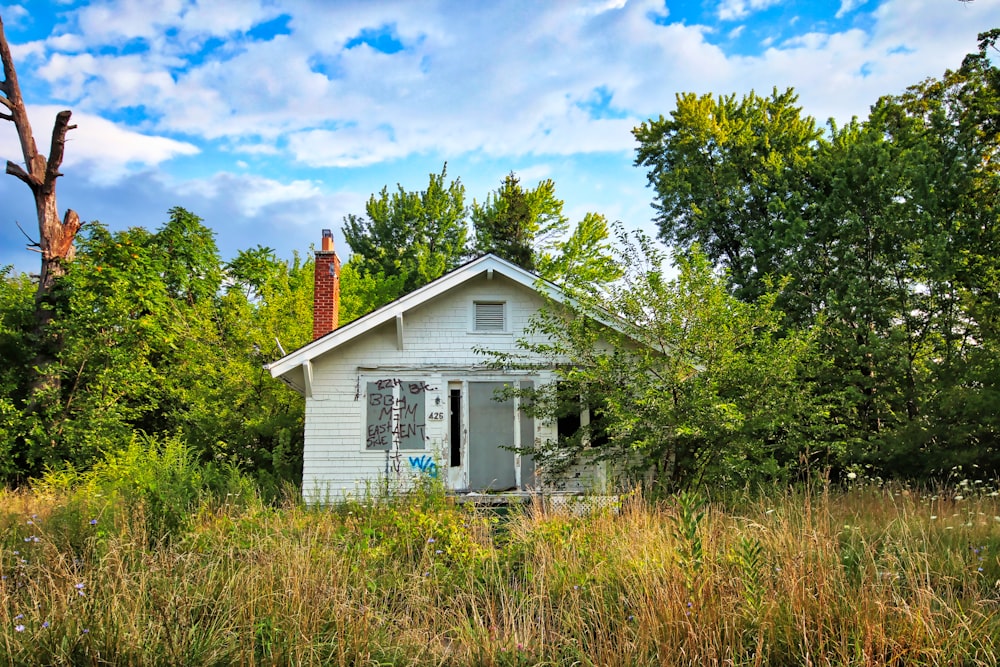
<point>489,317</point>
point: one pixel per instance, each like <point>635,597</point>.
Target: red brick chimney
<point>326,285</point>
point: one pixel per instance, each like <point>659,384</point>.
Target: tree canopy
<point>152,345</point>
<point>886,229</point>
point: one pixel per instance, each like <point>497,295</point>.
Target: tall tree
<point>729,176</point>
<point>55,236</point>
<point>413,237</point>
<point>889,230</point>
<point>521,225</point>
<point>152,345</point>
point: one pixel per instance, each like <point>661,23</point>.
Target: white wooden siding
<point>438,346</point>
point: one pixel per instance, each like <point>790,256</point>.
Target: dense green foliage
<point>686,384</point>
<point>184,575</point>
<point>405,240</point>
<point>152,345</point>
<point>729,176</point>
<point>886,229</point>
<point>518,224</point>
<point>409,238</point>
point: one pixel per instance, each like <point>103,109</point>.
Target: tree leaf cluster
<point>407,238</point>
<point>160,338</point>
<point>685,384</point>
<point>885,228</point>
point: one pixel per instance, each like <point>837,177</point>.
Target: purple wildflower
<point>19,628</point>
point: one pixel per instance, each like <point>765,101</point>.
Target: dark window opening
<point>455,430</point>
<point>569,422</point>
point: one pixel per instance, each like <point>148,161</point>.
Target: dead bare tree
<point>40,173</point>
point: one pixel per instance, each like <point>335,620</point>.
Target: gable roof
<point>299,360</point>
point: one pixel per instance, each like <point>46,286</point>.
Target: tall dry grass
<point>867,577</point>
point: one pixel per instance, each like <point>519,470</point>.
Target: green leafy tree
<point>17,311</point>
<point>730,176</point>
<point>152,345</point>
<point>412,237</point>
<point>585,259</point>
<point>691,385</point>
<point>518,224</point>
<point>190,257</point>
<point>886,229</point>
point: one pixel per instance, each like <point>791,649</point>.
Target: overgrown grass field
<point>870,576</point>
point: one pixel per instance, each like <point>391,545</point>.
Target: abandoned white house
<point>403,391</point>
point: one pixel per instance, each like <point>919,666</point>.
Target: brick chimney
<point>326,284</point>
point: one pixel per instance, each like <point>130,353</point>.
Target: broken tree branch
<point>14,169</point>
<point>31,242</point>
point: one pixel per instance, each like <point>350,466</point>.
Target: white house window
<point>489,316</point>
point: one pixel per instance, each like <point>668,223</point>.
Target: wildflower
<point>79,588</point>
<point>45,624</point>
<point>852,475</point>
<point>86,630</point>
<point>438,551</point>
<point>430,540</point>
<point>19,617</point>
<point>19,628</point>
<point>93,522</point>
<point>30,522</point>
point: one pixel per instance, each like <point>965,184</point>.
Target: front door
<point>482,435</point>
<point>491,428</point>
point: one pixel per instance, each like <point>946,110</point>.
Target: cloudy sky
<point>272,119</point>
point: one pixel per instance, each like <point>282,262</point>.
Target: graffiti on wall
<point>396,414</point>
<point>424,465</point>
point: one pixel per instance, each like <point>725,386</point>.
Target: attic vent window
<point>489,317</point>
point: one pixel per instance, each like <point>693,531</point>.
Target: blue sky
<point>274,119</point>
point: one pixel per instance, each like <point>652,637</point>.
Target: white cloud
<point>848,6</point>
<point>730,10</point>
<point>120,21</point>
<point>106,149</point>
<point>504,80</point>
<point>14,15</point>
<point>265,192</point>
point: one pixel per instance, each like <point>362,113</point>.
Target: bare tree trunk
<point>55,236</point>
